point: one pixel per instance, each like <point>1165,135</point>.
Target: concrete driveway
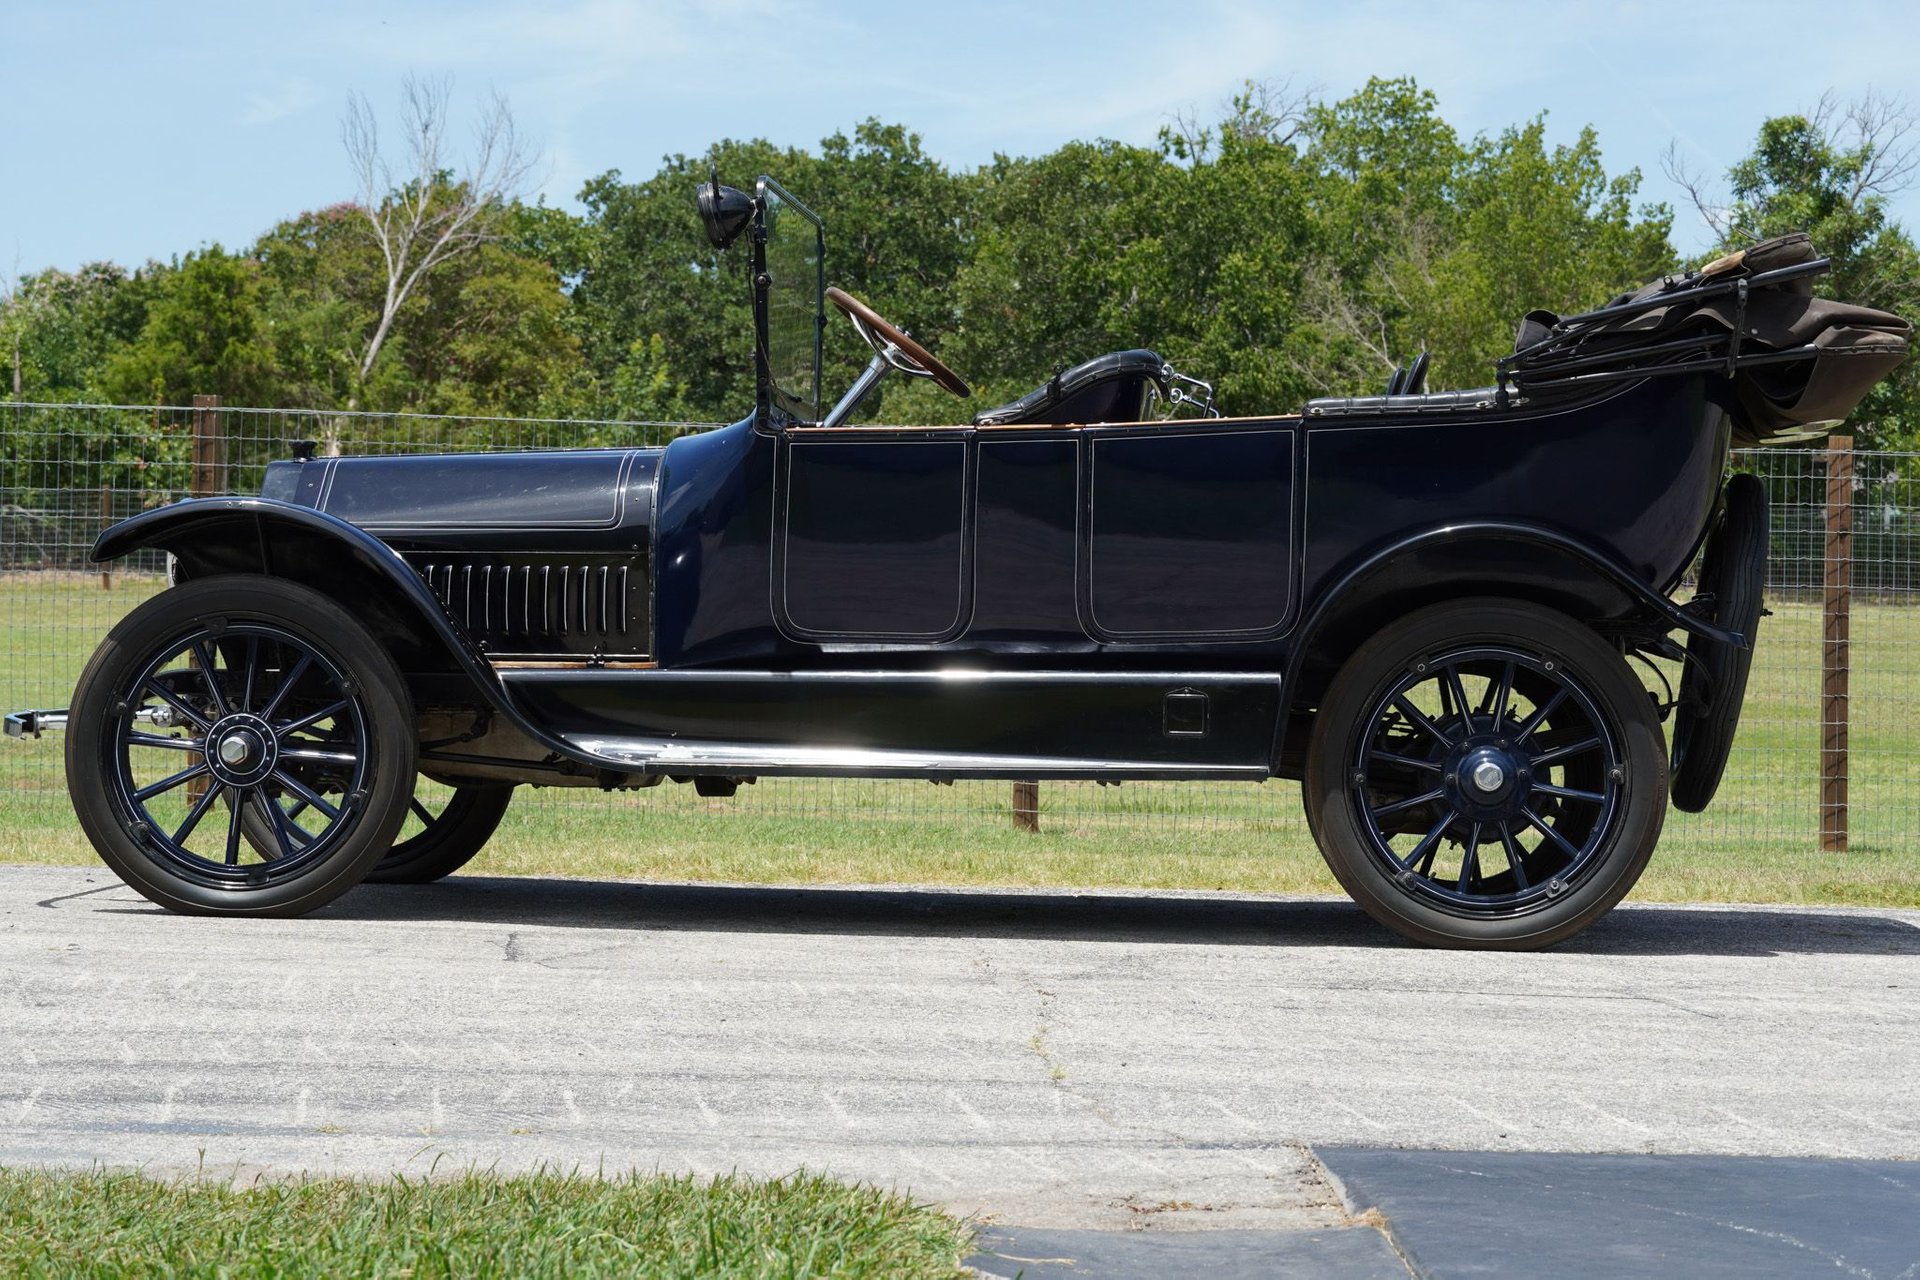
<point>1049,1059</point>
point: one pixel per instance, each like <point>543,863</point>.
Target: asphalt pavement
<point>1053,1062</point>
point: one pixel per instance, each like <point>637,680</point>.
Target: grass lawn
<point>116,1224</point>
<point>1756,844</point>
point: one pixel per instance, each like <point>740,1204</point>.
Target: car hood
<point>578,496</point>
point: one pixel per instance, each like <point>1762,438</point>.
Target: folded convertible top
<point>1799,363</point>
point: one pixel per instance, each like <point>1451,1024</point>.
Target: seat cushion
<point>1109,388</point>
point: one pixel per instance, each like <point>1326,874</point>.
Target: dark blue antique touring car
<point>1422,605</point>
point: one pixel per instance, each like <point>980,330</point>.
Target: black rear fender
<point>1483,558</point>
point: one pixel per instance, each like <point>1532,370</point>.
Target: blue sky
<point>137,130</point>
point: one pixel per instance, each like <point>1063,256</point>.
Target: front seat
<point>1409,380</point>
<point>1109,388</point>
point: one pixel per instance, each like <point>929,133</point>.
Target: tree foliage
<point>1291,247</point>
<point>205,334</point>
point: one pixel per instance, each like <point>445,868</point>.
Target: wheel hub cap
<point>1483,774</point>
<point>243,751</point>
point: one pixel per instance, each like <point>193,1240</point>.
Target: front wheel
<point>1487,773</point>
<point>238,702</point>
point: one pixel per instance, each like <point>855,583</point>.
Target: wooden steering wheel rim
<point>866,315</point>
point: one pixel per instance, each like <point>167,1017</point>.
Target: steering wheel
<point>894,346</point>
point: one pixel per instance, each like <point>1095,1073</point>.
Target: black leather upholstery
<point>1416,383</point>
<point>1109,388</point>
<point>1409,380</point>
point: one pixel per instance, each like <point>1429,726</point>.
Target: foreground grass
<point>1758,843</point>
<point>115,1224</point>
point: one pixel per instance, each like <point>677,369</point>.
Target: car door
<point>1187,531</point>
<point>873,534</point>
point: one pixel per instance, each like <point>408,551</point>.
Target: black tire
<point>1713,685</point>
<point>447,840</point>
<point>259,675</point>
<point>1544,736</point>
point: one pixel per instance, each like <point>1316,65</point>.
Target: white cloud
<point>289,98</point>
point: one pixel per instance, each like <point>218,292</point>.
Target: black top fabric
<point>1846,348</point>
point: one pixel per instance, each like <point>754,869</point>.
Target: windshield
<point>789,316</point>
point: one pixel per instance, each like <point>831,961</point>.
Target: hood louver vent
<point>544,606</point>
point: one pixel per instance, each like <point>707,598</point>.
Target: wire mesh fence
<point>67,471</point>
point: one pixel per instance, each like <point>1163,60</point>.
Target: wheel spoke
<point>253,665</point>
<point>1505,695</point>
<point>1535,821</point>
<point>1425,797</point>
<point>233,827</point>
<point>271,812</point>
<point>307,722</point>
<point>206,658</point>
<point>1534,721</point>
<point>170,744</point>
<point>1568,793</point>
<point>1428,842</point>
<point>168,783</point>
<point>306,793</point>
<point>1470,859</point>
<point>174,700</point>
<point>299,807</point>
<point>1558,754</point>
<point>1411,762</point>
<point>421,812</point>
<point>316,755</point>
<point>1419,719</point>
<point>1451,682</point>
<point>1514,858</point>
<point>197,812</point>
<point>291,678</point>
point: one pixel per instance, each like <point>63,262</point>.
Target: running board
<point>921,723</point>
<point>710,759</point>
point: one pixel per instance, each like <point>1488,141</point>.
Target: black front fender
<point>210,536</point>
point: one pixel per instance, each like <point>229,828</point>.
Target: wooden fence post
<point>1026,806</point>
<point>209,448</point>
<point>1836,616</point>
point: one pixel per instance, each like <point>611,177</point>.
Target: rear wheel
<point>445,828</point>
<point>1488,773</point>
<point>239,702</point>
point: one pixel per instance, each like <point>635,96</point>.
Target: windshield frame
<point>777,404</point>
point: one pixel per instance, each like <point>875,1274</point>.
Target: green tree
<point>58,328</point>
<point>1431,244</point>
<point>205,334</point>
<point>644,269</point>
<point>319,277</point>
<point>649,288</point>
<point>1530,227</point>
<point>1046,285</point>
<point>489,334</point>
